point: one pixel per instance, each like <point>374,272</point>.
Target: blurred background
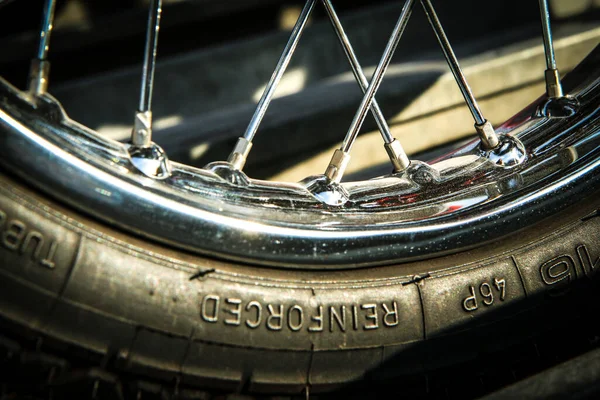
<point>216,56</point>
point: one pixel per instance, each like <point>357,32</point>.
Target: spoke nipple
<point>142,129</point>
<point>148,157</point>
<point>397,155</point>
<point>38,77</point>
<point>240,152</point>
<point>509,153</point>
<point>225,171</point>
<point>423,174</point>
<point>488,136</point>
<point>151,161</point>
<point>337,166</point>
<point>553,85</point>
<point>326,191</point>
<point>558,107</point>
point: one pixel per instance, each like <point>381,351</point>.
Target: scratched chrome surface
<point>455,202</point>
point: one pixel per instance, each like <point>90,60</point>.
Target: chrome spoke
<point>341,156</point>
<point>141,135</point>
<point>149,158</point>
<point>40,66</point>
<point>553,85</point>
<point>238,156</point>
<point>486,131</point>
<point>395,151</point>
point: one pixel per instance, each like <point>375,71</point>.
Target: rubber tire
<point>131,312</point>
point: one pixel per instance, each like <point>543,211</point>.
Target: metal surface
<point>146,156</point>
<point>141,136</point>
<point>150,56</point>
<point>487,134</point>
<point>337,165</point>
<point>393,147</point>
<point>150,160</point>
<point>239,159</point>
<point>240,152</point>
<point>552,76</point>
<point>46,30</point>
<point>424,211</point>
<point>40,67</point>
<point>397,155</point>
<point>509,152</point>
<point>553,86</point>
<point>547,35</point>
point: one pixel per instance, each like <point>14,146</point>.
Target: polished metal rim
<point>539,162</point>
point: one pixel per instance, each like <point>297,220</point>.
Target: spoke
<point>40,66</point>
<point>237,158</point>
<point>341,156</point>
<point>395,151</point>
<point>553,85</point>
<point>142,130</point>
<point>484,128</point>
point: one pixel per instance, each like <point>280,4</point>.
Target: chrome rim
<point>536,164</point>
